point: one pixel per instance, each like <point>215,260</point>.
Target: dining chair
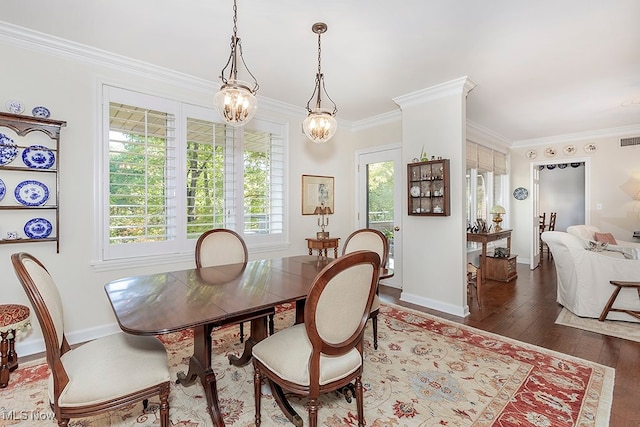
<point>541,229</point>
<point>548,227</point>
<point>102,375</point>
<point>372,240</point>
<point>325,353</point>
<point>220,246</point>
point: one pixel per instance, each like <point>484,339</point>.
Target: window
<point>486,182</point>
<point>174,170</point>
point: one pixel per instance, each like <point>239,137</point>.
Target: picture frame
<point>317,190</point>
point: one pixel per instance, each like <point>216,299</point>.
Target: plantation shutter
<point>264,187</point>
<point>210,201</point>
<point>142,175</point>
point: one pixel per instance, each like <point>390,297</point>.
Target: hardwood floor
<point>526,309</point>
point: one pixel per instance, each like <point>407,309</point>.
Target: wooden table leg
<point>284,404</point>
<point>258,333</point>
<point>200,367</point>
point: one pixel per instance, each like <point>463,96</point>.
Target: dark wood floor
<point>525,310</point>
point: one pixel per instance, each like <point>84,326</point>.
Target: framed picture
<point>316,190</point>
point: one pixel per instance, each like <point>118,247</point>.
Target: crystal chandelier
<point>236,101</point>
<point>320,125</point>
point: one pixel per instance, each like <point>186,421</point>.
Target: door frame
<point>395,154</point>
<point>535,202</point>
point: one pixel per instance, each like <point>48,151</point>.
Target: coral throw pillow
<point>606,237</point>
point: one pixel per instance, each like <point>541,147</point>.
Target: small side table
<point>619,285</point>
<point>322,245</point>
<point>13,317</point>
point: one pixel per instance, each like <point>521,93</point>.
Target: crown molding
<point>25,38</point>
<point>580,136</point>
<point>381,119</point>
<point>483,136</point>
<point>460,86</point>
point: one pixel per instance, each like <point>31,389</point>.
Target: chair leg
<point>164,405</point>
<point>360,401</point>
<point>479,288</point>
<point>257,382</point>
<point>241,332</point>
<point>374,321</point>
<point>271,324</point>
<point>312,407</point>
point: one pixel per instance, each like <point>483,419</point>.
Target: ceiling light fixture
<point>320,125</point>
<point>236,101</point>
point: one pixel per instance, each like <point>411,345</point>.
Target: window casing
<point>172,170</point>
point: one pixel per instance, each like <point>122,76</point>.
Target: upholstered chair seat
<point>110,367</point>
<point>295,367</point>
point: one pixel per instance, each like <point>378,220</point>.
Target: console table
<point>485,238</point>
<point>322,245</point>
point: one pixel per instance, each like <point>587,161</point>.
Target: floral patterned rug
<point>426,372</point>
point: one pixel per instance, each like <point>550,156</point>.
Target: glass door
<point>380,201</point>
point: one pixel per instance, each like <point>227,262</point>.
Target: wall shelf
<point>14,214</point>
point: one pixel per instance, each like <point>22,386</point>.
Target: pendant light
<point>320,125</point>
<point>236,101</point>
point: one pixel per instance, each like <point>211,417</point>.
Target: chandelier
<point>236,101</point>
<point>320,125</point>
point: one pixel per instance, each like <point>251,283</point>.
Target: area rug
<point>614,328</point>
<point>426,372</point>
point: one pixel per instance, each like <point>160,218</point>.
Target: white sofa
<point>584,275</point>
<point>589,231</point>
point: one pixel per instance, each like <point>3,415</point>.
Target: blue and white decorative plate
<point>3,189</point>
<point>8,149</point>
<point>41,111</point>
<point>31,193</point>
<point>37,228</point>
<point>38,157</point>
<point>14,106</point>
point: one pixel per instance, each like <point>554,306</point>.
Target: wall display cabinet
<point>29,179</point>
<point>428,188</point>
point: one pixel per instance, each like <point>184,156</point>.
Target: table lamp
<point>497,211</point>
<point>321,211</point>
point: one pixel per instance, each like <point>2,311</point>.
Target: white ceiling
<point>542,68</point>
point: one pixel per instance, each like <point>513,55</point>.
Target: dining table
<point>208,297</point>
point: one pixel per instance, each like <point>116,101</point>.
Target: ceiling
<point>542,68</point>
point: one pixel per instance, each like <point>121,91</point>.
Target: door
<point>535,198</point>
<point>379,189</point>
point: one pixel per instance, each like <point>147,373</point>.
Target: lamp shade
<point>236,103</point>
<point>497,209</point>
<point>320,125</point>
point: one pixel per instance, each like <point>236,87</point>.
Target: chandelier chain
<point>319,54</point>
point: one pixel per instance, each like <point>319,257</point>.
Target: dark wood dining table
<point>201,299</point>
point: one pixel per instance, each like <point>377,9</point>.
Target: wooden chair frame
<point>320,346</point>
<point>55,348</point>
